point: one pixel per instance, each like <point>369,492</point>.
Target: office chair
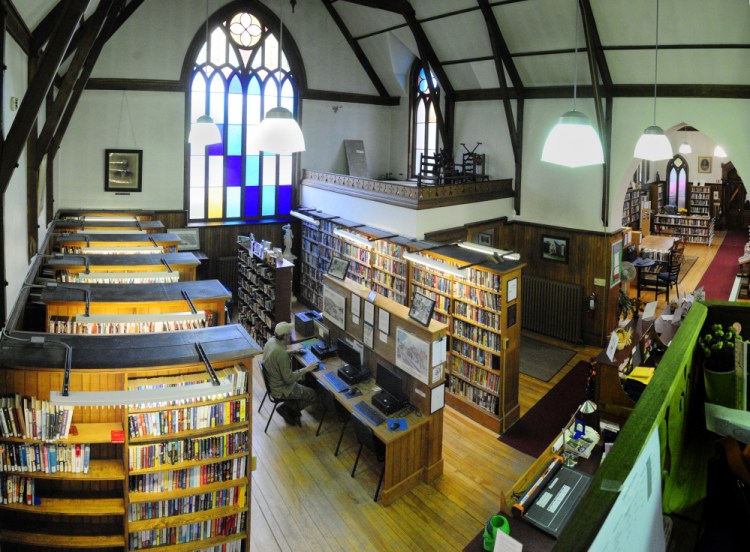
<point>669,277</point>
<point>330,404</point>
<point>276,402</point>
<point>366,438</point>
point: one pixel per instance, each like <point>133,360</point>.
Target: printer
<point>352,374</point>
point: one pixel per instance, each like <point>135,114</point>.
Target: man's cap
<point>283,328</point>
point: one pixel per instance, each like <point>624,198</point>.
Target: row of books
<point>431,280</point>
<point>389,280</point>
<point>390,265</point>
<point>388,248</point>
<point>77,325</point>
<point>127,250</point>
<point>483,278</point>
<point>475,374</point>
<point>442,302</point>
<point>488,318</point>
<point>235,374</point>
<point>484,299</point>
<point>118,278</point>
<point>399,297</point>
<point>469,351</point>
<point>357,253</point>
<point>477,335</point>
<point>44,457</point>
<point>32,418</point>
<point>359,272</point>
<point>169,453</point>
<point>233,496</point>
<point>225,526</point>
<point>188,478</point>
<point>168,422</point>
<point>483,399</point>
<point>16,489</point>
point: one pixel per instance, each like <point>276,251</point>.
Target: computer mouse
<point>394,426</point>
<point>355,392</point>
<point>303,350</point>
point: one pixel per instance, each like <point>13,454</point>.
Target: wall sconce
<point>335,108</point>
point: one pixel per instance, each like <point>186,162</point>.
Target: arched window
<point>677,177</point>
<point>424,130</point>
<point>236,78</point>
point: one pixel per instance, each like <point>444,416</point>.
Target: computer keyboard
<point>370,413</point>
<point>336,382</point>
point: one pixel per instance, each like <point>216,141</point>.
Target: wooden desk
<point>410,455</point>
<point>184,263</point>
<point>660,243</point>
<point>114,226</point>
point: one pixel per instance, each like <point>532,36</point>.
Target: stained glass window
<point>677,181</point>
<point>236,79</point>
<point>424,132</point>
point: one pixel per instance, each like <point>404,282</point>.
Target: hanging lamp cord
<point>656,57</point>
<point>575,54</point>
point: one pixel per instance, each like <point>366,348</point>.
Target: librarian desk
<point>132,299</point>
<point>167,241</point>
<point>408,455</point>
<point>112,226</point>
<point>184,263</point>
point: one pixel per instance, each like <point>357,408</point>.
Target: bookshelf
<point>104,225</point>
<point>482,310</point>
<point>110,511</point>
<point>319,245</point>
<point>631,208</point>
<point>657,196</point>
<point>700,201</point>
<point>81,242</point>
<point>692,229</point>
<point>390,271</point>
<point>264,292</point>
<point>358,252</point>
<point>162,267</point>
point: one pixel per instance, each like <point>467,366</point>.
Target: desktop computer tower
<point>387,403</point>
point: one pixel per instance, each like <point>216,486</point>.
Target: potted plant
<point>717,348</point>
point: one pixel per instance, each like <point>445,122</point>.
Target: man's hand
<point>312,366</point>
<point>296,348</point>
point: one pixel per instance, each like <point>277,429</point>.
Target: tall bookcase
<point>264,292</point>
<point>482,310</point>
<point>631,208</point>
<point>198,450</point>
<point>700,201</point>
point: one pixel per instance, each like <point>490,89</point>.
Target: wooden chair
<point>366,438</point>
<point>473,166</point>
<point>430,170</point>
<point>671,275</point>
<point>275,401</point>
<point>330,404</point>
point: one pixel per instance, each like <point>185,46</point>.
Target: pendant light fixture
<point>685,147</point>
<point>573,142</point>
<point>204,131</point>
<point>653,145</point>
<point>278,132</point>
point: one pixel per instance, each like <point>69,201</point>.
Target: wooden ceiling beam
<point>38,89</point>
<point>42,32</point>
<point>354,45</point>
<point>395,6</point>
<point>91,31</point>
<point>16,27</point>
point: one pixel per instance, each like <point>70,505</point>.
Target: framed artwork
<point>704,164</point>
<point>122,170</point>
<point>555,249</point>
<point>334,307</point>
<point>413,355</point>
<point>190,238</point>
<point>384,321</point>
<point>616,263</point>
<point>512,289</point>
<point>421,309</point>
<point>486,237</point>
<point>369,313</point>
<point>338,268</point>
<point>368,336</point>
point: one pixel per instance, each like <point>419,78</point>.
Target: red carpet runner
<point>719,278</point>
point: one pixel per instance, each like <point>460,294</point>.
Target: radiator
<point>552,308</point>
<point>225,270</point>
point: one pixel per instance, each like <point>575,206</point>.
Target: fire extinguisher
<point>591,304</point>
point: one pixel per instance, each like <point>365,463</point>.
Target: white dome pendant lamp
<point>204,131</point>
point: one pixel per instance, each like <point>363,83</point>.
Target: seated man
<point>282,380</point>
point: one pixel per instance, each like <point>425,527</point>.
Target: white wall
<point>14,220</point>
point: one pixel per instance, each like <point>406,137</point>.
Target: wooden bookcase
<point>264,290</point>
<point>700,201</point>
<point>693,229</point>
<point>80,242</point>
<point>125,267</point>
<point>657,197</point>
<point>100,501</point>
<point>102,225</point>
<point>483,313</point>
<point>390,272</point>
<point>631,208</point>
<point>360,269</point>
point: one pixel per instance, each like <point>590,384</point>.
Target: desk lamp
<point>577,427</point>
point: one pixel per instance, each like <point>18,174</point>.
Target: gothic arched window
<point>424,129</point>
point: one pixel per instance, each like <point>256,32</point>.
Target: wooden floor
<point>303,497</point>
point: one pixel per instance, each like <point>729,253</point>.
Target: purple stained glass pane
<point>217,149</point>
<point>251,201</point>
<point>234,170</point>
<point>284,195</point>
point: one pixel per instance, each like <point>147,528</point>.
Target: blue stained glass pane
<point>269,200</point>
<point>251,201</point>
<point>285,199</point>
<point>252,177</point>
<point>234,139</point>
<point>254,88</point>
<point>233,202</point>
<point>234,170</point>
<point>217,149</point>
<point>235,87</point>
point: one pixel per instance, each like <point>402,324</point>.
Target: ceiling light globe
<point>653,145</point>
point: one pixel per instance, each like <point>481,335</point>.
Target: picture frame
<point>338,268</point>
<point>555,248</point>
<point>334,307</point>
<point>190,238</point>
<point>616,274</point>
<point>123,170</point>
<point>486,237</point>
<point>421,309</point>
<point>368,336</point>
<point>384,321</point>
<point>704,164</point>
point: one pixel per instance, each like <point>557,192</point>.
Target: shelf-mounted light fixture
<point>500,255</point>
<point>434,264</point>
<point>359,240</point>
<point>305,217</point>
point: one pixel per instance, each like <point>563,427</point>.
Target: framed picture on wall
<point>555,249</point>
<point>122,170</point>
<point>704,164</point>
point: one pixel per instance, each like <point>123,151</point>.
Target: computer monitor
<point>322,333</point>
<point>348,354</point>
<point>392,380</point>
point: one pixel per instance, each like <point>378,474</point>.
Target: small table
<point>640,263</point>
